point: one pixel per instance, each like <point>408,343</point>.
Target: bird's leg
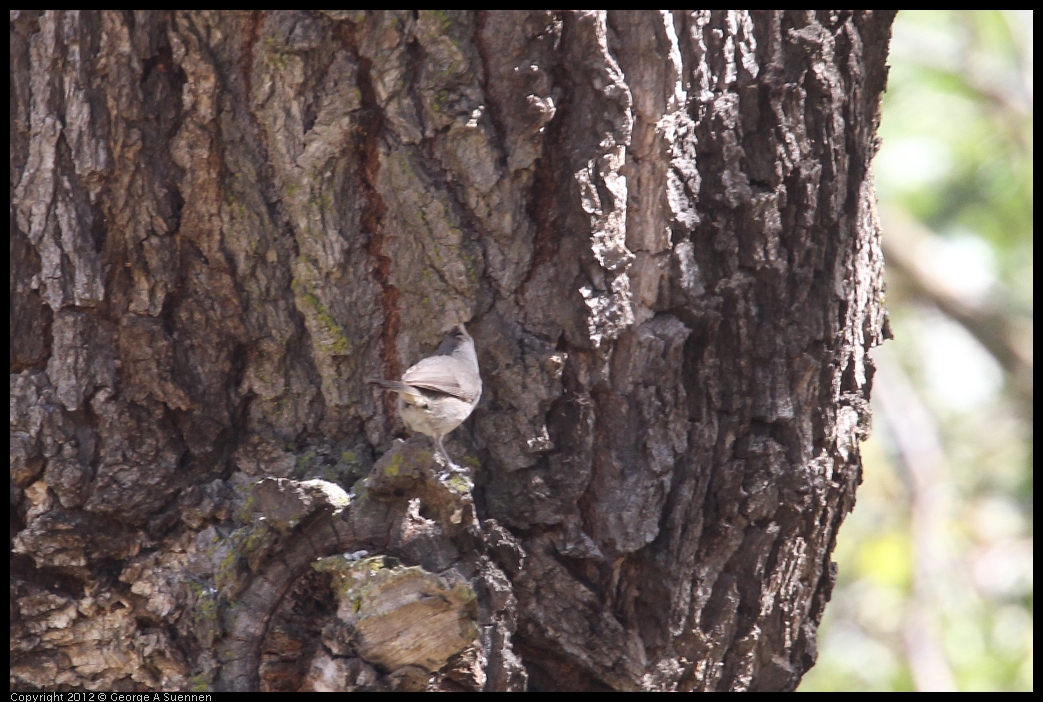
<point>453,468</point>
<point>445,454</point>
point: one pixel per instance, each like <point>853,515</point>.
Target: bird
<point>439,392</point>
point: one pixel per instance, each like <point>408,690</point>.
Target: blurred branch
<point>1008,337</point>
<point>914,433</point>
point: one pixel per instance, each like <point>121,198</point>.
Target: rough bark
<point>660,230</point>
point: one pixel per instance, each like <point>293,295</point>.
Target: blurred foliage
<point>935,563</point>
<point>959,103</point>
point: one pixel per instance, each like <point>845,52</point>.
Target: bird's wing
<point>444,374</point>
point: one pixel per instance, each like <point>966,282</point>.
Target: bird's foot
<point>456,478</point>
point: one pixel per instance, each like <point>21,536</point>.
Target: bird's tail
<point>408,392</point>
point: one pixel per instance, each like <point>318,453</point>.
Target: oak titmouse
<point>438,393</point>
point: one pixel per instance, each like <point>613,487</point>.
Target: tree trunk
<point>660,230</point>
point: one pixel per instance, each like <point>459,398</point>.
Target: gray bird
<point>439,392</point>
